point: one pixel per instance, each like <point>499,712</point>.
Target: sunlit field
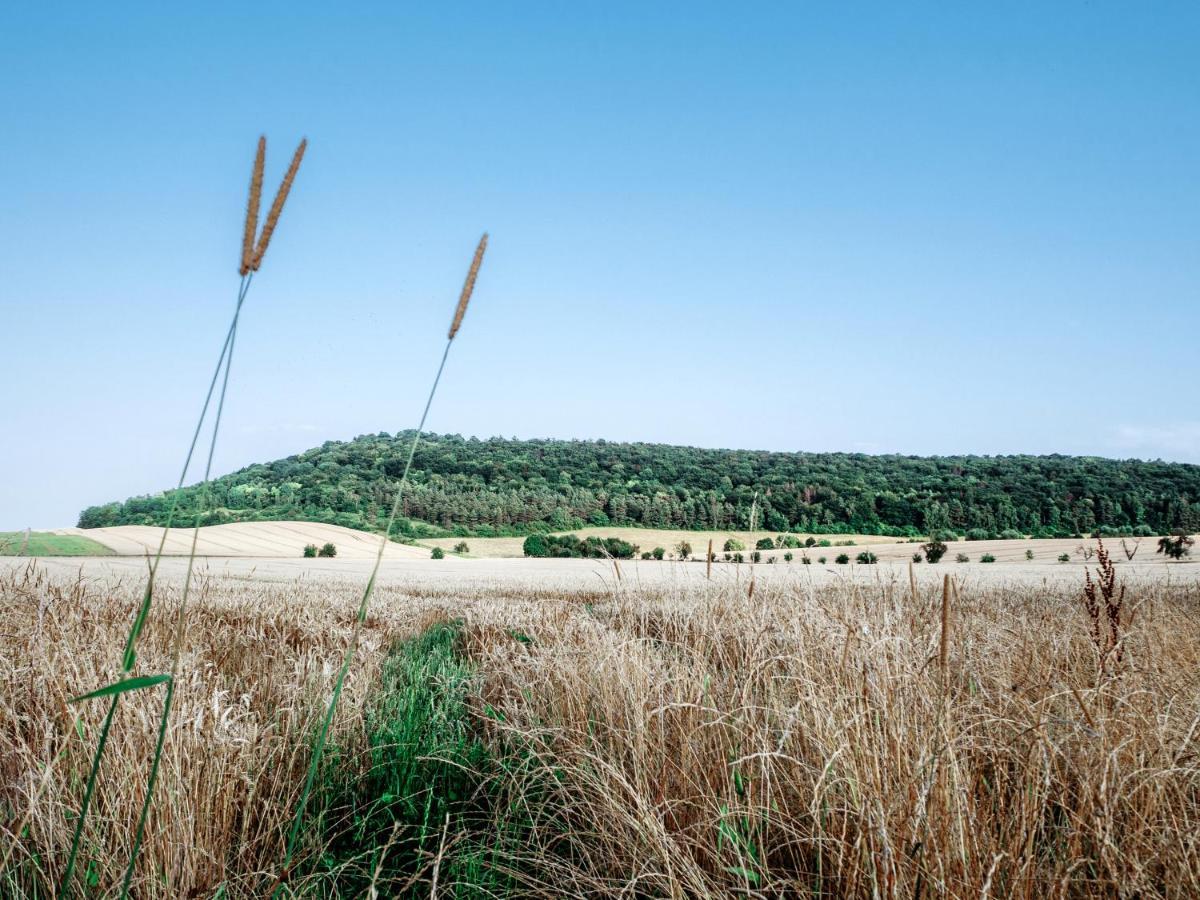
<point>836,736</point>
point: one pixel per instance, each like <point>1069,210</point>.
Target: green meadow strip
<point>323,734</point>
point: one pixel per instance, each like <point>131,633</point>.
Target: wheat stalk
<point>348,658</point>
<point>281,196</point>
<point>468,288</point>
<point>252,204</point>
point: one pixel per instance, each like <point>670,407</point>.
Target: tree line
<point>500,486</point>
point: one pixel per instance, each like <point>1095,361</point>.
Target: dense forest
<point>500,486</point>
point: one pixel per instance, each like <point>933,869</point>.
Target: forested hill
<point>501,486</point>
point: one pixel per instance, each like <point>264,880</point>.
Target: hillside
<point>500,486</point>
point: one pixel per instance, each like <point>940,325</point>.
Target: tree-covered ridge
<point>503,486</point>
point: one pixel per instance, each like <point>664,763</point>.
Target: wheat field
<point>859,737</point>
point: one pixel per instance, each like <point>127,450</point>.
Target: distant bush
<point>1011,534</point>
<point>962,557</point>
<point>842,559</point>
<point>1029,554</point>
<point>733,544</point>
<point>978,534</point>
<point>461,547</point>
<point>987,557</point>
<point>917,557</point>
<point>806,561</point>
<point>787,542</point>
<point>824,542</point>
<point>327,550</point>
<point>821,560</point>
<point>535,545</point>
<point>756,556</point>
<point>1177,546</point>
<point>569,546</point>
<point>683,549</point>
<point>438,553</point>
<point>738,558</point>
<point>310,550</point>
<point>765,544</point>
<point>646,555</point>
<point>658,553</point>
<point>1143,531</point>
<point>867,558</point>
<point>810,542</point>
<point>934,550</point>
<point>787,557</point>
<point>1064,557</point>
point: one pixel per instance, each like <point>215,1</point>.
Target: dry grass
<point>672,742</point>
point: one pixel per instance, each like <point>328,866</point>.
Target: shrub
<point>310,551</point>
<point>1064,557</point>
<point>787,542</point>
<point>733,544</point>
<point>787,557</point>
<point>978,534</point>
<point>461,547</point>
<point>987,557</point>
<point>1177,546</point>
<point>821,560</point>
<point>327,550</point>
<point>765,544</point>
<point>810,542</point>
<point>1029,554</point>
<point>683,549</point>
<point>535,545</point>
<point>646,555</point>
<point>1011,534</point>
<point>824,542</point>
<point>570,546</point>
<point>658,553</point>
<point>756,556</point>
<point>438,553</point>
<point>867,558</point>
<point>842,559</point>
<point>962,557</point>
<point>917,557</point>
<point>934,550</point>
<point>806,561</point>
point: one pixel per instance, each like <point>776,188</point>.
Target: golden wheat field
<point>836,736</point>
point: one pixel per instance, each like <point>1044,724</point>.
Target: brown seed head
<point>468,287</point>
<point>277,206</point>
<point>252,203</point>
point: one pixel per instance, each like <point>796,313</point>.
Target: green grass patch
<point>434,788</point>
<point>45,543</point>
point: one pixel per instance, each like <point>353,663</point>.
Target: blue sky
<point>869,227</point>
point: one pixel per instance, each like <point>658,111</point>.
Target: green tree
<point>310,551</point>
<point>658,553</point>
<point>733,544</point>
<point>327,550</point>
<point>437,553</point>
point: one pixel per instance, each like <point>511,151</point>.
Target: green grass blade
<point>124,686</point>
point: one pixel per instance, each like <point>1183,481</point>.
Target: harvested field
<point>258,539</point>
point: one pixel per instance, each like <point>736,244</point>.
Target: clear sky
<point>868,227</point>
